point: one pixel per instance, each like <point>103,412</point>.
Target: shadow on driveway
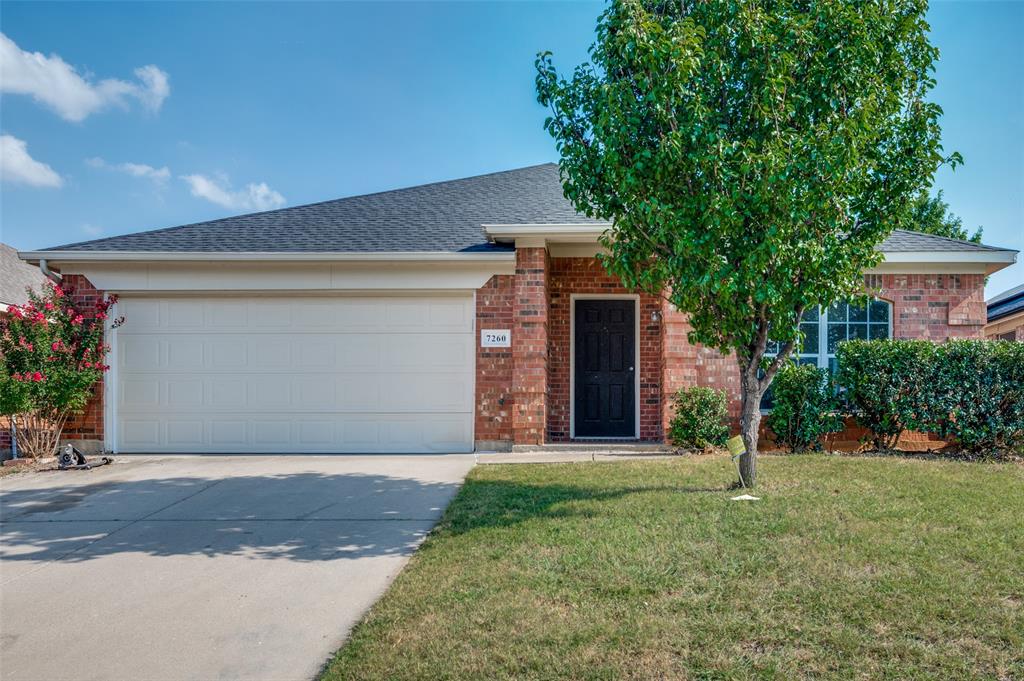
<point>306,516</point>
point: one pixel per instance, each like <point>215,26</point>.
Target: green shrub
<point>700,419</point>
<point>805,407</point>
<point>970,392</point>
<point>882,384</point>
<point>975,394</point>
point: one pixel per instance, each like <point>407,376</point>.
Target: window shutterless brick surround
<point>522,392</point>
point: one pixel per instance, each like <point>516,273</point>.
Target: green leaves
<point>970,391</point>
<point>804,408</point>
<point>700,418</point>
<point>751,156</point>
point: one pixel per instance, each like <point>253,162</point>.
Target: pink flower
<point>37,377</point>
<point>101,315</point>
<point>77,321</point>
<point>55,346</point>
<point>15,312</point>
<point>49,305</point>
<point>16,376</point>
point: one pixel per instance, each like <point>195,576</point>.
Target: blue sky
<point>241,106</point>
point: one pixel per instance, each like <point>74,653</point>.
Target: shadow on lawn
<point>501,503</point>
<point>301,517</point>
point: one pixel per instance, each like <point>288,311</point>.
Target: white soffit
<point>567,240</point>
<point>144,277</point>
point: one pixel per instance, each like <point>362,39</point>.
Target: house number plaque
<point>495,338</point>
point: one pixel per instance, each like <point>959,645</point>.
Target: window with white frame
<point>825,329</point>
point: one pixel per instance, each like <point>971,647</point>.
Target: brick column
<point>530,346</point>
<point>679,366</point>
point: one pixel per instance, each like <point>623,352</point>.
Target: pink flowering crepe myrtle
<point>51,356</point>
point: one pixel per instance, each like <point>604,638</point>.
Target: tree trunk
<point>750,423</point>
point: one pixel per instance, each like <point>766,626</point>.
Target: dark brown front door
<point>604,384</point>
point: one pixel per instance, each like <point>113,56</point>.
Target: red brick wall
<point>530,345</point>
<point>89,424</point>
<point>687,365</point>
<point>494,310</point>
<point>5,437</point>
<point>933,306</point>
<point>929,306</point>
<point>586,275</point>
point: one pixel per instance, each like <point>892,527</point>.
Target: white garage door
<point>306,374</point>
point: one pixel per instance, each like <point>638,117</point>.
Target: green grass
<point>848,567</point>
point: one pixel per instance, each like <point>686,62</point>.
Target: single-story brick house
<point>445,317</point>
<point>1006,315</point>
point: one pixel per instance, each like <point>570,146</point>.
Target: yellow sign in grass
<point>736,446</point>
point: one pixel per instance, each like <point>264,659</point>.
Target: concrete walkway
<point>165,568</point>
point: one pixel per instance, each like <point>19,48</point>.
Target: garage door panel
<point>185,393</point>
<point>315,374</point>
<point>139,352</point>
<point>182,352</point>
<point>331,433</point>
<point>271,394</point>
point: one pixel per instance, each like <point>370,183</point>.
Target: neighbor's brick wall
<point>530,345</point>
<point>570,276</point>
<point>1012,326</point>
<point>89,424</point>
<point>494,310</point>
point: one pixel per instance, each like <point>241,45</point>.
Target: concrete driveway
<point>157,568</point>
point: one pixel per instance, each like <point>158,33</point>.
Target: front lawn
<point>847,568</point>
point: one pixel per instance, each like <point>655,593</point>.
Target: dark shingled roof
<point>439,217</point>
<point>16,276</point>
<point>1006,303</point>
<point>902,241</point>
<point>443,216</point>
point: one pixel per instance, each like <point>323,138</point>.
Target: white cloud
<point>17,166</point>
<point>55,83</point>
<point>253,197</point>
<point>92,230</point>
<point>158,175</point>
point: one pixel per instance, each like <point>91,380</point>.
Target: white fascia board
<point>982,256</point>
<point>964,262</point>
<point>219,256</point>
<point>554,233</point>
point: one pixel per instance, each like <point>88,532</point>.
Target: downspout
<point>48,273</point>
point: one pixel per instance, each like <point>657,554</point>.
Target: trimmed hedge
<point>967,391</point>
<point>883,384</point>
<point>805,407</point>
<point>700,419</point>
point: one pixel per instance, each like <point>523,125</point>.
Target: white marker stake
<point>745,497</point>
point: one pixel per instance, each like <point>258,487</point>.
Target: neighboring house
<point>446,317</point>
<point>15,277</point>
<point>1006,315</point>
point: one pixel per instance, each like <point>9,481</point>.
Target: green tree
<point>750,156</point>
<point>932,216</point>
